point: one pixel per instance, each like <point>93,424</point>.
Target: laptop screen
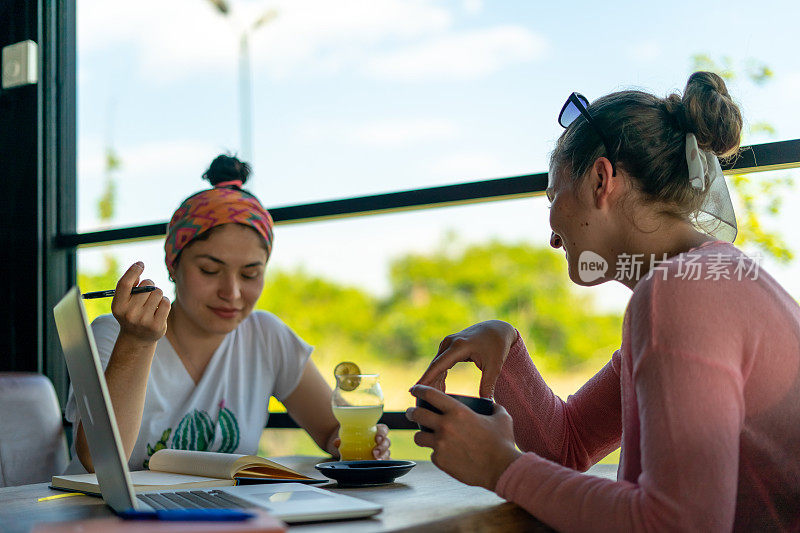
<point>94,404</point>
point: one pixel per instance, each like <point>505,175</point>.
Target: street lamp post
<point>245,100</point>
<point>245,85</point>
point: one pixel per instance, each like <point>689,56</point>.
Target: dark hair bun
<point>227,167</point>
<point>711,114</point>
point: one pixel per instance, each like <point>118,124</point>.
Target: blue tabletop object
<point>188,515</point>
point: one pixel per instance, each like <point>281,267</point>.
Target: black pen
<point>109,293</point>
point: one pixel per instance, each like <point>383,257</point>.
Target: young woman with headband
<point>703,395</point>
<point>197,373</point>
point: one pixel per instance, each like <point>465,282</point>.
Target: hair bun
<point>711,113</point>
<point>676,111</point>
<point>226,167</point>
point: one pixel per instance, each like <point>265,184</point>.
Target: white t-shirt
<point>227,410</point>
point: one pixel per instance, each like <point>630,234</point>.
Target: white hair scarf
<point>716,216</point>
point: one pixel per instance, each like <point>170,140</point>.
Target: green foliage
<point>98,281</point>
<point>756,71</point>
<point>105,205</point>
<point>724,66</point>
<point>107,201</point>
<point>321,311</point>
<point>441,293</point>
<point>758,200</point>
<point>108,277</point>
<point>160,445</point>
<point>444,293</point>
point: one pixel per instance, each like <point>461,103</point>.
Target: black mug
<point>482,406</point>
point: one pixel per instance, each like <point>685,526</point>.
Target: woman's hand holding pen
<point>142,317</point>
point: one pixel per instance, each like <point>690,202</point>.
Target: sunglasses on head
<point>577,105</point>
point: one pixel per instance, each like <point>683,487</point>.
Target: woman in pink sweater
<point>703,396</point>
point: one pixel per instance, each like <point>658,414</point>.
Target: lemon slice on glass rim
<point>347,376</point>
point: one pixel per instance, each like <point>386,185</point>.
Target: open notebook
<point>181,469</point>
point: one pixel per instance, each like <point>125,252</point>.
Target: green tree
<point>528,286</point>
<point>759,198</point>
<point>322,312</point>
<point>433,295</point>
<point>100,280</point>
<point>107,202</point>
<point>108,276</point>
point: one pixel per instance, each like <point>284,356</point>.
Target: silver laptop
<point>291,502</point>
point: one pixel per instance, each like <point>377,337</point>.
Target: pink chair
<point>33,446</point>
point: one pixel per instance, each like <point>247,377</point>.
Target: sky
<point>368,96</point>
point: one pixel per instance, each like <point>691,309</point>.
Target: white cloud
<point>645,51</point>
<point>468,165</point>
<point>178,38</point>
<point>763,103</point>
<point>404,131</point>
<point>473,6</point>
<point>788,84</point>
<point>388,132</point>
<point>311,131</point>
<point>465,55</point>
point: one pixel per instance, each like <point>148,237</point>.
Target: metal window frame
<point>39,199</point>
<point>759,157</point>
<point>58,169</point>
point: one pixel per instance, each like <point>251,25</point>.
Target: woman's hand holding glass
<point>486,344</point>
<point>381,451</point>
<point>357,404</point>
<point>142,317</point>
<point>382,443</point>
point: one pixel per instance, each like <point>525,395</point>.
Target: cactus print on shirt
<point>197,431</point>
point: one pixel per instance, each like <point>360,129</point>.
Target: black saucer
<point>363,473</point>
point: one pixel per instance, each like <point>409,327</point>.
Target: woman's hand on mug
<point>486,344</point>
<point>142,316</point>
<point>475,449</point>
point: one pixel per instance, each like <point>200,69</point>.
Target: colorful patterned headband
<point>215,207</point>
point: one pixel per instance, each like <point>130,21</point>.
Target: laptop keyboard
<point>193,499</point>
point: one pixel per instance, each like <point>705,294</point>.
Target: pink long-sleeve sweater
<point>704,396</point>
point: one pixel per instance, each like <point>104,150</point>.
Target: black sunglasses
<point>575,106</point>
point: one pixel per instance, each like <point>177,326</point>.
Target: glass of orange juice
<point>358,405</point>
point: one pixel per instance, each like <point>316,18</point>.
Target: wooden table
<point>425,499</point>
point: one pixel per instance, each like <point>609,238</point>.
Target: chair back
<point>33,446</point>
